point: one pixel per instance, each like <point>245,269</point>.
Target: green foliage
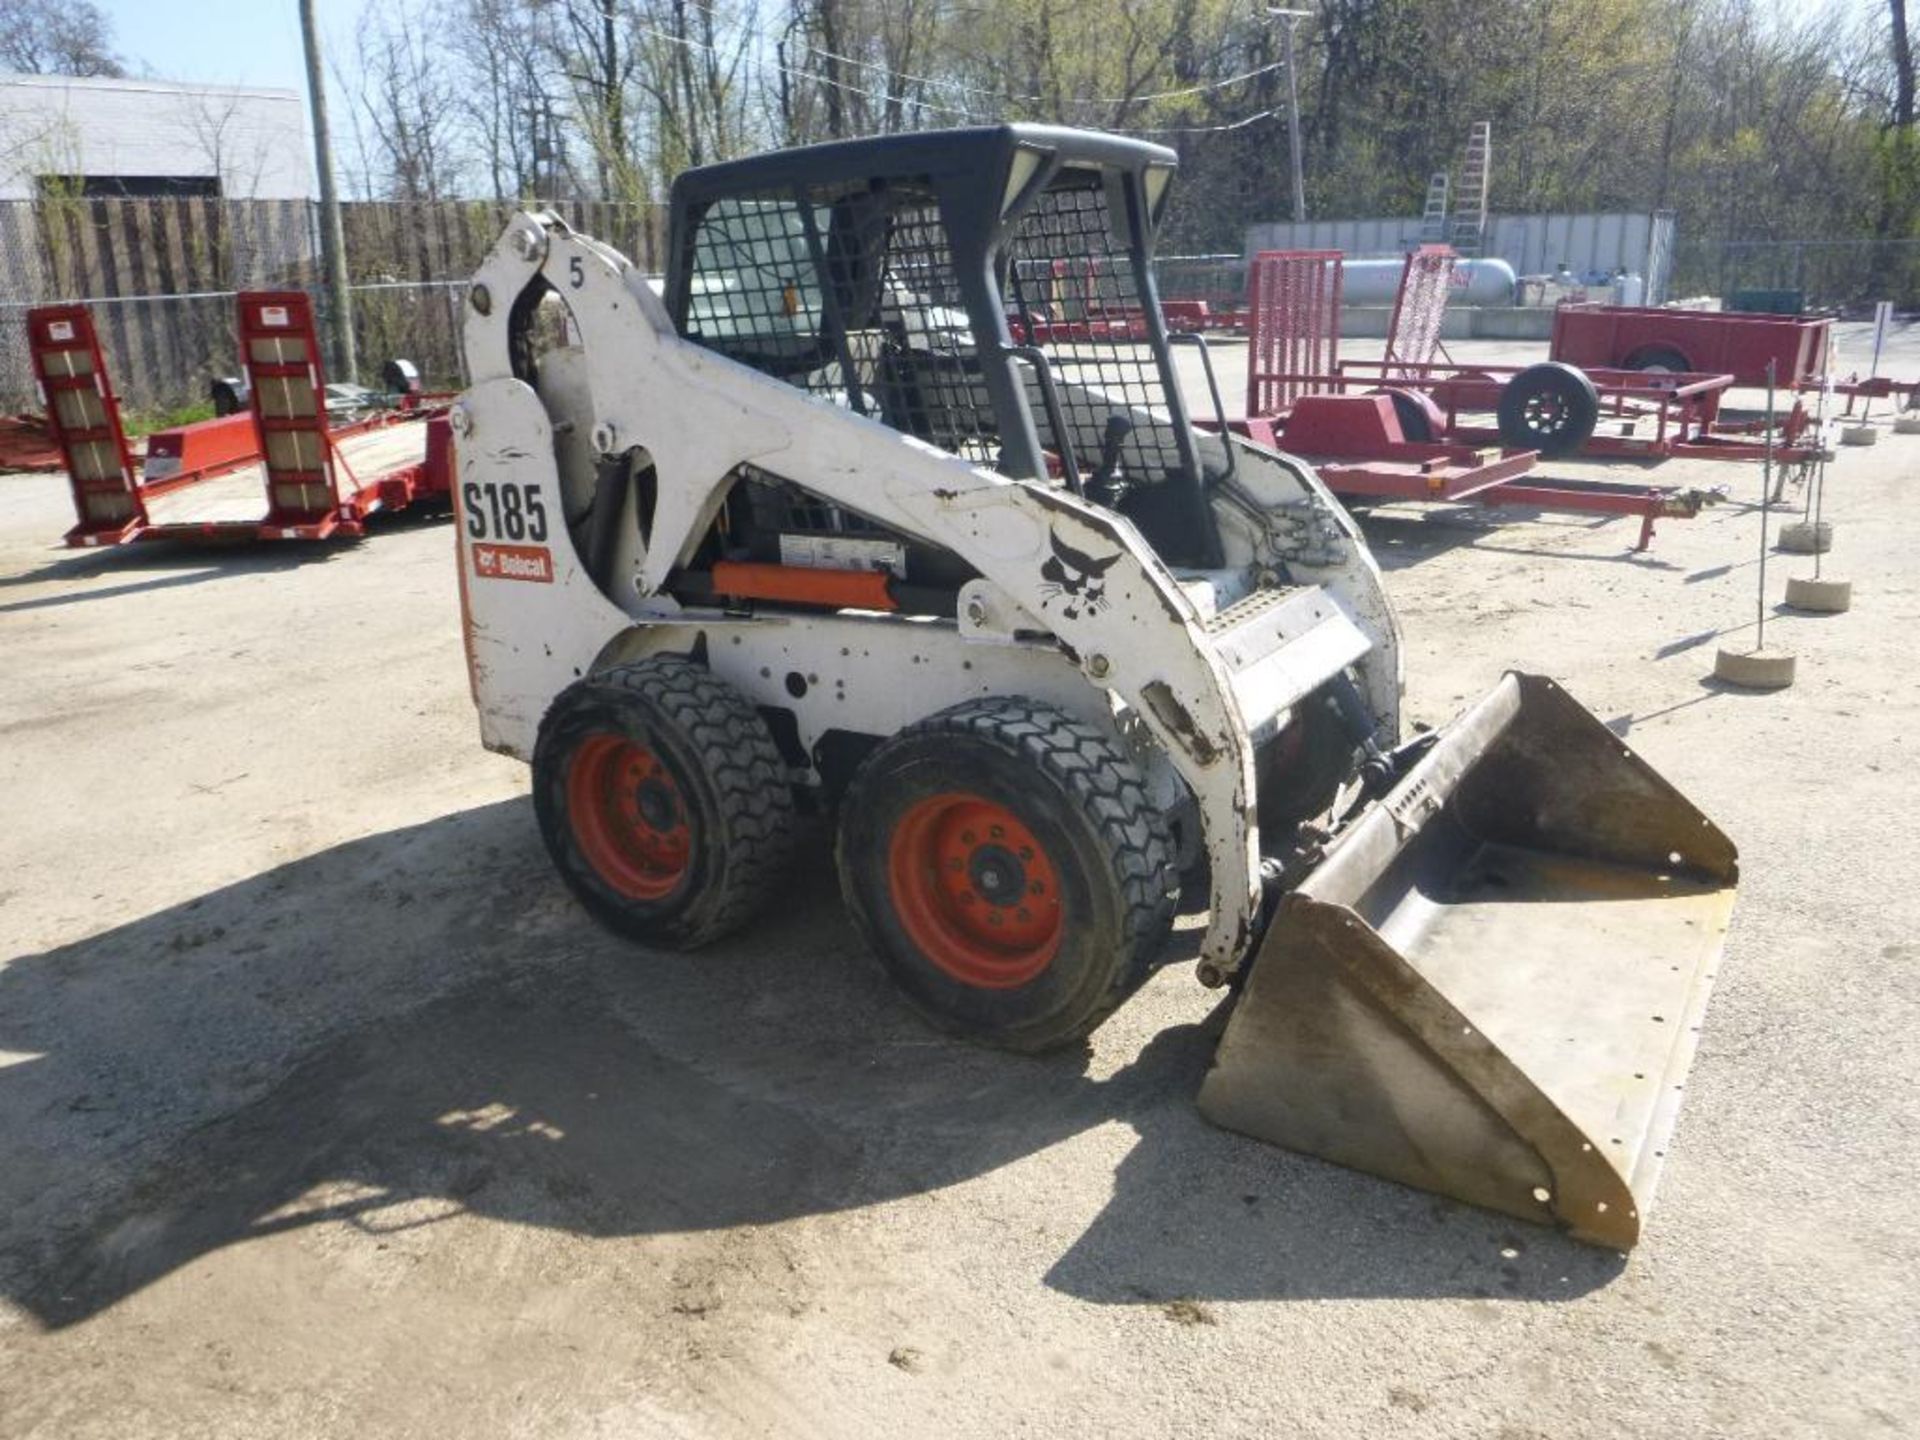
<point>145,422</point>
<point>1751,119</point>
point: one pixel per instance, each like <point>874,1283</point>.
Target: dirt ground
<point>323,1110</point>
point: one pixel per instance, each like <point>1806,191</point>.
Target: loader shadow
<point>162,565</point>
<point>476,1043</point>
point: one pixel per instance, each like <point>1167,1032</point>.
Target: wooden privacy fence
<point>161,275</point>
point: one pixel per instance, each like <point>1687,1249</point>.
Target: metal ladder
<point>1469,229</point>
<point>1433,220</point>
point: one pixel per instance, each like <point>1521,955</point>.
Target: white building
<point>134,138</point>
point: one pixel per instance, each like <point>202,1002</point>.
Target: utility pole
<point>1292,18</point>
<point>333,243</point>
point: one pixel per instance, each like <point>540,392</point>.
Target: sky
<point>234,42</point>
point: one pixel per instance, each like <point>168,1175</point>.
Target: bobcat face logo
<point>1078,577</point>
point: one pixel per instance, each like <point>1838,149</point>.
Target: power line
<point>969,115</point>
<point>1199,129</point>
<point>1181,94</point>
<point>691,44</point>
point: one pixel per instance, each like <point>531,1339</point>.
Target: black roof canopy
<point>981,151</point>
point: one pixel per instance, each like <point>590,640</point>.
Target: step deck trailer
<point>1352,418</point>
<point>279,472</point>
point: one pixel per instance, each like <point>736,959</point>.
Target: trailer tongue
<point>1492,986</point>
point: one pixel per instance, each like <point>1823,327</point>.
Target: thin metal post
<point>1819,450</point>
<point>1289,19</point>
<point>1766,505</point>
<point>1820,484</point>
<point>333,244</point>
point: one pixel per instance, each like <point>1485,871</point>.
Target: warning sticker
<point>274,315</point>
<point>513,562</point>
<point>60,330</point>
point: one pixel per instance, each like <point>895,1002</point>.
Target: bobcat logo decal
<point>1078,577</point>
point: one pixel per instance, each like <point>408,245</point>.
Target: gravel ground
<point>323,1110</point>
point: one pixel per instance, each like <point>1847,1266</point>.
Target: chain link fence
<point>1847,275</point>
<point>161,276</point>
<point>1220,280</point>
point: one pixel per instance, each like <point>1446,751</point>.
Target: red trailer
<point>1631,337</point>
<point>1555,408</point>
<point>1637,338</point>
<point>1393,428</point>
<point>279,471</point>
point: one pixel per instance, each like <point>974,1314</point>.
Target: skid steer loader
<point>822,525</point>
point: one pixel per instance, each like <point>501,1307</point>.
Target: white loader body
<point>1202,662</point>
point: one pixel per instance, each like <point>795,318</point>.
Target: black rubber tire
<point>1550,407</point>
<point>1659,357</point>
<point>1416,425</point>
<point>1086,805</point>
<point>730,781</point>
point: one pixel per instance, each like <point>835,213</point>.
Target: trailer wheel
<point>228,395</point>
<point>663,801</point>
<point>1420,419</point>
<point>1661,359</point>
<point>1551,408</point>
<point>1003,861</point>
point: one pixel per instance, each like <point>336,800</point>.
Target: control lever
<point>1109,481</point>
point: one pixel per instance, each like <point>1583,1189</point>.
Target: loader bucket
<point>1493,985</point>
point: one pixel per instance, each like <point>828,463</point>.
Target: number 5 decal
<point>576,273</point>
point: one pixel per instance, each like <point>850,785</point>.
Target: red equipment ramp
<point>288,395</point>
<point>314,470</point>
<point>83,416</point>
<point>1293,327</point>
<point>1419,310</point>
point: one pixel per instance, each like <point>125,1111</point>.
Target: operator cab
<point>988,291</point>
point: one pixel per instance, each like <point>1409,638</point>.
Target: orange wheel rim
<point>975,891</point>
<point>628,816</point>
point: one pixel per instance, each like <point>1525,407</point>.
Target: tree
<point>1899,160</point>
<point>513,95</point>
<point>1756,121</point>
<point>407,97</point>
<point>57,37</point>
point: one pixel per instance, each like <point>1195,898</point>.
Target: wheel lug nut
<point>1026,852</point>
<point>995,831</point>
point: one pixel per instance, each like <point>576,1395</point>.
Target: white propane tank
<point>1475,282</point>
<point>1629,289</point>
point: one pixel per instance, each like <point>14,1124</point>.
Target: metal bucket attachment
<point>1493,985</point>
